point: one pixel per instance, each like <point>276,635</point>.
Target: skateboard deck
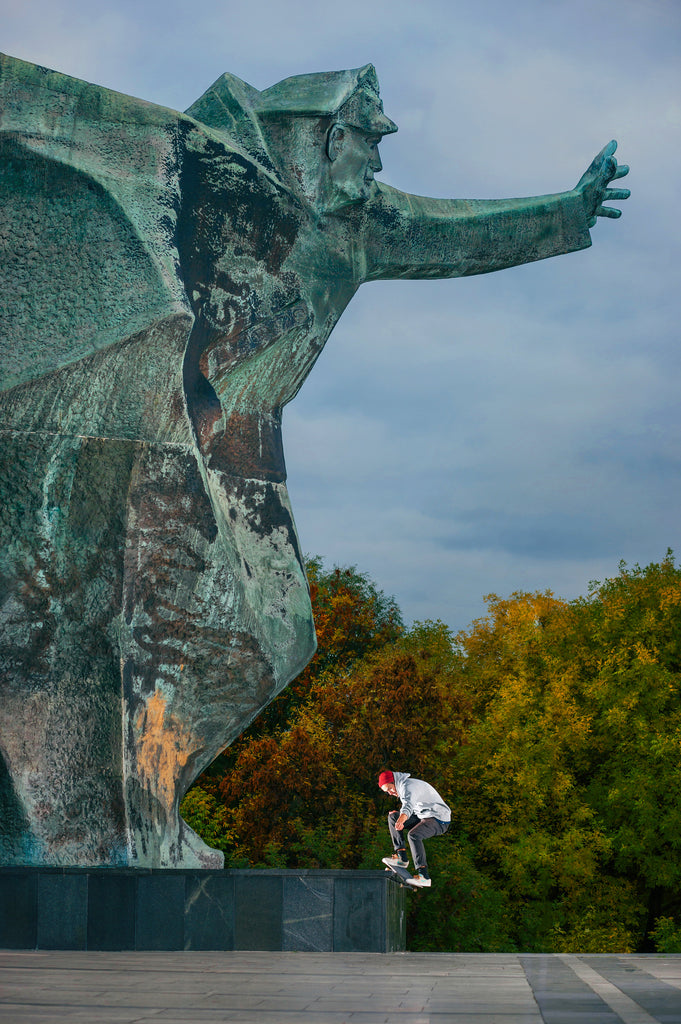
<point>400,875</point>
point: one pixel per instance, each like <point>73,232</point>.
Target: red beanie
<point>386,778</point>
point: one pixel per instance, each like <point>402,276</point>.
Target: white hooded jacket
<point>420,798</point>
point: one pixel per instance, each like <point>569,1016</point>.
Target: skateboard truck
<point>400,875</point>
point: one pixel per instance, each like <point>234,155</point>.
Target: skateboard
<point>400,875</point>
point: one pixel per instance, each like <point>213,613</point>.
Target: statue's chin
<point>348,196</point>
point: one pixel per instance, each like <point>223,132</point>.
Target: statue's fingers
<point>616,193</point>
<point>610,168</point>
<point>622,169</point>
<point>608,211</point>
<point>602,159</point>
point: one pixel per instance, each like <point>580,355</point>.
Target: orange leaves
<point>274,781</point>
<point>352,617</point>
<point>321,771</point>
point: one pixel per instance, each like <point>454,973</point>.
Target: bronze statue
<point>168,282</point>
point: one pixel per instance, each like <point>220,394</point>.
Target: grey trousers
<point>416,830</point>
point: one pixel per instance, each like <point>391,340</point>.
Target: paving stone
<point>658,998</point>
<point>562,997</point>
<point>239,987</point>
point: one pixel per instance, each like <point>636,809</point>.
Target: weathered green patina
<point>167,282</point>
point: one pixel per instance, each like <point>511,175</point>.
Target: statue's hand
<point>593,185</point>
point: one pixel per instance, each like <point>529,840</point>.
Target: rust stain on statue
<point>163,749</point>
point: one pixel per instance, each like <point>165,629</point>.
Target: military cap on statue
<point>353,96</point>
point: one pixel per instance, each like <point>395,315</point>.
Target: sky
<point>512,431</point>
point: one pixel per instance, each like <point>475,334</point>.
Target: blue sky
<point>519,430</point>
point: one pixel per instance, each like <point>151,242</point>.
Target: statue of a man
<point>167,282</point>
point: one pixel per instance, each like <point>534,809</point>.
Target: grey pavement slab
<point>637,994</point>
<point>45,987</point>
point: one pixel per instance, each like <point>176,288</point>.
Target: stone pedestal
<point>167,909</point>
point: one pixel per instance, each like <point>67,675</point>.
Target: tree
<point>633,780</point>
<point>535,834</point>
<point>570,782</point>
<point>311,788</point>
<point>552,728</point>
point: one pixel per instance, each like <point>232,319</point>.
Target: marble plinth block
<point>172,909</point>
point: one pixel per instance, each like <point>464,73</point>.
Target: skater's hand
<point>399,824</point>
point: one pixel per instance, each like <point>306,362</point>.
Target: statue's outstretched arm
<point>417,237</point>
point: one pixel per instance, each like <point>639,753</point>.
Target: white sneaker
<point>422,881</point>
<point>396,861</point>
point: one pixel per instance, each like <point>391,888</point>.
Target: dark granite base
<point>116,909</point>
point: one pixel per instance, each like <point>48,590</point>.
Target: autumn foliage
<point>552,728</point>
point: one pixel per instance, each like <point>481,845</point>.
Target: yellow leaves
<point>670,596</point>
<point>644,655</point>
<point>592,935</point>
<point>208,817</point>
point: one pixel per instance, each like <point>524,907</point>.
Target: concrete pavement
<point>42,987</point>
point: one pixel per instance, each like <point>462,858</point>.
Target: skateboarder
<point>423,814</point>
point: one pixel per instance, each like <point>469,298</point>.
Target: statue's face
<point>354,161</point>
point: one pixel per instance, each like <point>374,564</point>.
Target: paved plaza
<point>334,988</point>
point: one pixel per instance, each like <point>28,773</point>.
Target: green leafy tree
<point>535,835</point>
<point>633,690</point>
<point>570,781</point>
